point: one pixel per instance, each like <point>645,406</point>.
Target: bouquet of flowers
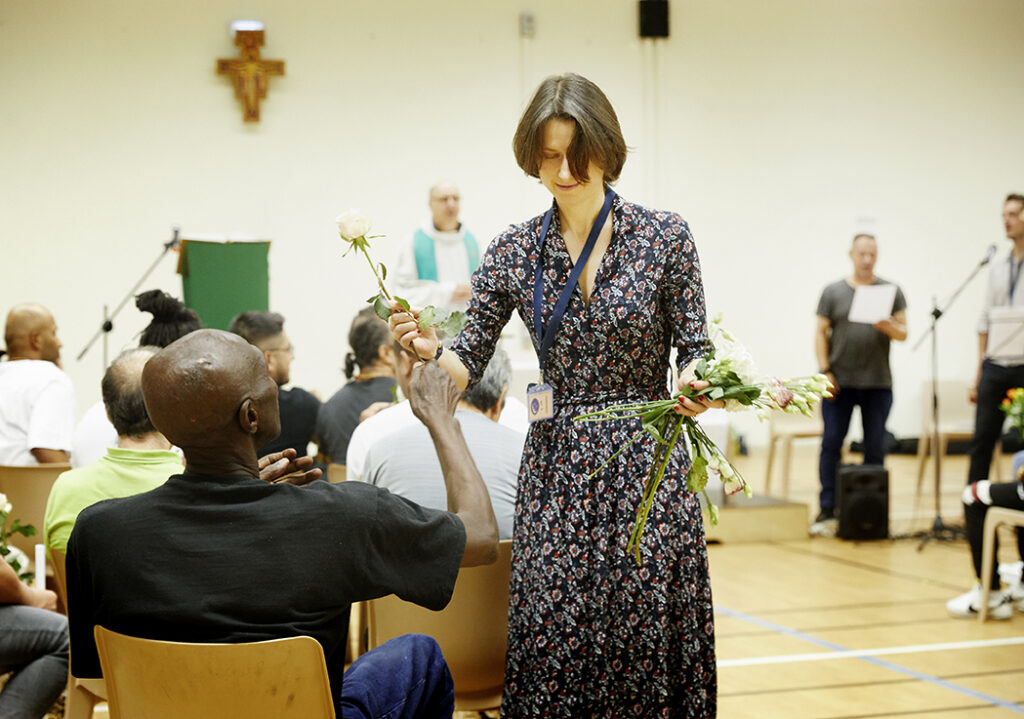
<point>353,228</point>
<point>1013,407</point>
<point>9,554</point>
<point>734,379</point>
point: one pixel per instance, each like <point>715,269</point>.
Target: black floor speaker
<point>862,501</point>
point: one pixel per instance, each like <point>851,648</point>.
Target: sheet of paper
<point>872,303</point>
<point>1006,335</point>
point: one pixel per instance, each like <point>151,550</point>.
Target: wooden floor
<point>824,628</point>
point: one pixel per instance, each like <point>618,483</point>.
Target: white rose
<point>7,508</point>
<point>352,225</point>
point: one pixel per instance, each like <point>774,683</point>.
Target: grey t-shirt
<point>857,353</point>
<point>406,464</point>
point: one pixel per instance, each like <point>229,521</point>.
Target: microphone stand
<point>940,530</point>
<point>108,318</point>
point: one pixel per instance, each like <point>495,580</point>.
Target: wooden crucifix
<point>250,72</point>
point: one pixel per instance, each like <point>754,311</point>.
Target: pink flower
<point>779,393</point>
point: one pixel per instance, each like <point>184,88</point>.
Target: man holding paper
<point>1000,342</point>
<point>858,316</point>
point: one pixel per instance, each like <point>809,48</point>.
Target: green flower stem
<point>652,486</point>
<point>380,282</point>
<point>619,451</point>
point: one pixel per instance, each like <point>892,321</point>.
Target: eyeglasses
<point>290,349</point>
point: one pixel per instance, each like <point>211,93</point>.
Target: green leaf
<point>426,318</point>
<point>654,430</point>
<point>701,369</point>
<point>716,393</point>
<point>381,307</point>
<point>383,271</point>
<point>24,529</point>
<point>697,477</point>
<point>453,323</point>
<point>404,304</point>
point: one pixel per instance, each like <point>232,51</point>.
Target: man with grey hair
<point>435,265</point>
<point>141,461</point>
<point>404,461</point>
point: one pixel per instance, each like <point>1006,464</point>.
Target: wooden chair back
<point>27,489</point>
<point>472,630</point>
<point>275,679</point>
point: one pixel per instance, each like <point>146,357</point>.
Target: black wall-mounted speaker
<point>653,18</point>
<point>862,501</point>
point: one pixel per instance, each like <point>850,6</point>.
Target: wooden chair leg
<point>923,447</point>
<point>787,452</point>
<point>768,467</point>
<point>992,521</point>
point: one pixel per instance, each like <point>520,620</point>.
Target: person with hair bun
<point>94,433</point>
<point>591,632</point>
<point>372,354</point>
<point>171,318</point>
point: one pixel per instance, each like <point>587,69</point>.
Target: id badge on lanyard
<point>540,397</point>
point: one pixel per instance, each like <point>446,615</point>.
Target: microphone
<point>177,228</point>
<point>988,255</point>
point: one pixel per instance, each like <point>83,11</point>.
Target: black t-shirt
<point>339,416</point>
<point>235,559</point>
<point>298,421</point>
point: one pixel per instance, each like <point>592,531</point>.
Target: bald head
<point>444,206</point>
<point>31,333</point>
<point>210,389</point>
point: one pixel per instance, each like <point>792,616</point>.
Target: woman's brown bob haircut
<point>597,137</point>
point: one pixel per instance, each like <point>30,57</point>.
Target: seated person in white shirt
<point>404,463</point>
<point>37,401</point>
<point>377,423</point>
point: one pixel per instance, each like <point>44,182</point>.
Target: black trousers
<point>988,421</point>
<point>1005,494</point>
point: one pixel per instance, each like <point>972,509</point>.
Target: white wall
<point>770,125</point>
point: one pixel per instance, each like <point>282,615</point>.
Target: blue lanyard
<point>1014,276</point>
<point>547,338</point>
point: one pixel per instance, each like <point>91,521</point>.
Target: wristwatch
<point>825,370</point>
<point>440,350</point>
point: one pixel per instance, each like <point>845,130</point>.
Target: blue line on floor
<point>995,701</point>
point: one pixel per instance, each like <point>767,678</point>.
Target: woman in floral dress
<point>591,632</point>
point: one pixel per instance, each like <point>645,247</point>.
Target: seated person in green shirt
<point>141,461</point>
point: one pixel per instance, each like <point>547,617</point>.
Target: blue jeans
<point>874,411</point>
<point>404,678</point>
<point>34,643</point>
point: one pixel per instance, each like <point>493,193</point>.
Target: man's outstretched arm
<point>433,397</point>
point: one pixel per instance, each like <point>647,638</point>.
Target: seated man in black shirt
<point>219,555</point>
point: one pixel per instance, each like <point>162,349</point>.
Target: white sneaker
<point>1009,572</point>
<point>825,528</point>
<point>966,605</point>
<point>1016,594</point>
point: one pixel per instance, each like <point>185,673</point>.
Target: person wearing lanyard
<point>997,374</point>
<point>609,288</point>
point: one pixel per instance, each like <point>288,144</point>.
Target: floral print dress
<point>591,634</point>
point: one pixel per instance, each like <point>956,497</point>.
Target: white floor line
<point>856,653</point>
